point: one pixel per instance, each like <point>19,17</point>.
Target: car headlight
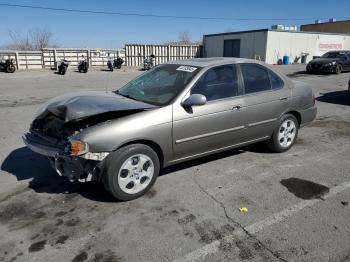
<point>76,147</point>
<point>331,63</point>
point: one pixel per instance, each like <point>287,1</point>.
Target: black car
<point>330,62</point>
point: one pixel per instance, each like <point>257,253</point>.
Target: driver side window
<point>217,83</point>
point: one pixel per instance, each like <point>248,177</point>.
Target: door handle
<point>284,98</point>
<point>237,107</point>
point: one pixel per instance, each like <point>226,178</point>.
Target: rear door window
<point>255,78</point>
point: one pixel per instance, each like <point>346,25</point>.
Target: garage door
<point>232,47</point>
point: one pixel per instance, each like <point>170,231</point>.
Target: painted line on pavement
<point>278,217</point>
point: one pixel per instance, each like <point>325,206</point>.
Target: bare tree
<point>18,42</point>
<point>40,38</point>
<point>35,39</point>
<point>184,38</point>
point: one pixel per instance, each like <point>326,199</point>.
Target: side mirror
<point>194,100</point>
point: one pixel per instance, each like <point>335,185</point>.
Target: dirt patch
<point>209,233</point>
<point>62,239</point>
<point>37,246</point>
<point>59,214</point>
<point>107,256</point>
<point>72,222</point>
<point>80,257</point>
<point>187,219</point>
<point>304,189</point>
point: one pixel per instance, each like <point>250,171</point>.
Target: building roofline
<point>239,32</point>
<point>273,30</point>
<point>336,22</point>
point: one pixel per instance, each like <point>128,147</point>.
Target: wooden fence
<point>136,53</point>
<point>48,58</point>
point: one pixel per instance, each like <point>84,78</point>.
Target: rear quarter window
<point>276,81</point>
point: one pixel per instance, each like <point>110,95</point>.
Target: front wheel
<point>130,171</point>
<point>285,134</point>
<point>338,69</point>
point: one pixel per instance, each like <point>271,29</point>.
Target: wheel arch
<point>296,114</point>
<point>156,147</point>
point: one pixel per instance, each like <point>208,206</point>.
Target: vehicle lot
<point>297,201</point>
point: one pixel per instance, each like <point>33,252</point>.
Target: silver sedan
<point>173,113</point>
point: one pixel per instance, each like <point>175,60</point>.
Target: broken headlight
<point>76,147</point>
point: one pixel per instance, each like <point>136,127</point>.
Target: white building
<point>271,45</point>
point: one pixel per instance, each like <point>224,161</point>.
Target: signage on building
<point>326,43</point>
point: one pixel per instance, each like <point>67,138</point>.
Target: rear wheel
<point>338,69</point>
<point>130,171</point>
<point>284,136</point>
<point>10,68</point>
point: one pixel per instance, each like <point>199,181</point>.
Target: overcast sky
<point>113,31</point>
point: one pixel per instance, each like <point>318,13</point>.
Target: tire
<point>338,69</point>
<point>64,70</point>
<point>10,68</point>
<point>309,70</point>
<point>282,141</point>
<point>126,168</point>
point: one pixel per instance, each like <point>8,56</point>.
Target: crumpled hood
<point>80,105</point>
<point>321,60</point>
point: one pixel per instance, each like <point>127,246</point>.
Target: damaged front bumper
<point>83,168</point>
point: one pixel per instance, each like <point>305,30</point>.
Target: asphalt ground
<point>297,202</point>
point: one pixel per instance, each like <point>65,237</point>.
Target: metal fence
<point>48,58</point>
<point>136,53</point>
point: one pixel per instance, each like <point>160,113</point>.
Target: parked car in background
<point>172,113</point>
<point>330,62</point>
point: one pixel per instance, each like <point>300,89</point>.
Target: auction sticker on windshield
<point>189,69</point>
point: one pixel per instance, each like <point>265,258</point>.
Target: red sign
<point>330,46</point>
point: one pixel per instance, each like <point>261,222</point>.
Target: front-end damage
<point>55,139</point>
<point>53,133</point>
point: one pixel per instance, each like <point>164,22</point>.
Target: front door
<point>218,123</point>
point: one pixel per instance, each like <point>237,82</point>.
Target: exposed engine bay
<point>53,130</point>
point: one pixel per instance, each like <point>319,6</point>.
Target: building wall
<point>294,44</point>
<point>342,27</point>
<point>252,44</point>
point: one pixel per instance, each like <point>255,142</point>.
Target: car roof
<point>213,61</point>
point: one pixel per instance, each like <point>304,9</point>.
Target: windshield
<point>333,55</point>
<point>160,85</point>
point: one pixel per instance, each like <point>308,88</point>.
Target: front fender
<point>153,125</point>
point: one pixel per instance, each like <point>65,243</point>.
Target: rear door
<point>266,97</point>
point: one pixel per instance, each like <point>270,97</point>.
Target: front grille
<point>316,66</point>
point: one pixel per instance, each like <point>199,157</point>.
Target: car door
<point>218,123</point>
<point>266,98</point>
